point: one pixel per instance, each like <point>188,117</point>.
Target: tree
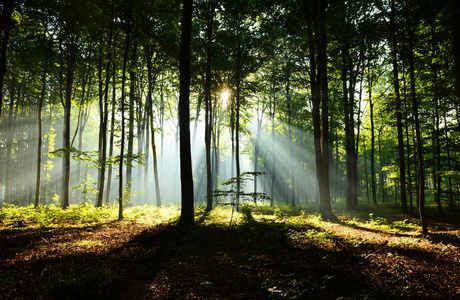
<point>208,102</point>
<point>5,22</point>
<point>187,210</point>
<point>394,50</point>
<point>421,165</point>
<point>121,195</point>
<point>315,14</point>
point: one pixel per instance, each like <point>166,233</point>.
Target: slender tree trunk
<point>402,169</point>
<point>104,116</point>
<point>112,135</point>
<point>291,150</point>
<point>273,148</point>
<point>237,131</point>
<point>9,143</point>
<point>257,149</point>
<point>409,175</point>
<point>315,13</point>
<point>436,139</point>
<point>40,128</point>
<point>187,209</point>
<point>208,101</point>
<point>373,179</point>
<point>123,95</point>
<point>149,107</point>
<point>421,167</point>
<point>455,9</point>
<point>132,98</point>
<point>7,11</point>
<point>65,184</point>
<point>349,144</point>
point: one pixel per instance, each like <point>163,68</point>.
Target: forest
<point>328,126</point>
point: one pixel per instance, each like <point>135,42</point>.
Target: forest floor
<point>265,254</point>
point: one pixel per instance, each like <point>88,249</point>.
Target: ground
<point>262,255</point>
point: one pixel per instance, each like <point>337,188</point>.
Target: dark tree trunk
<point>187,209</point>
<point>123,96</point>
<point>40,128</point>
<point>291,150</point>
<point>112,136</point>
<point>9,143</point>
<point>208,116</point>
<point>373,180</point>
<point>272,193</point>
<point>349,143</point>
<point>455,9</point>
<point>237,131</point>
<point>421,167</point>
<point>65,184</point>
<point>132,99</point>
<point>402,169</point>
<point>149,107</point>
<point>5,20</point>
<point>103,118</point>
<point>436,139</point>
<point>315,13</point>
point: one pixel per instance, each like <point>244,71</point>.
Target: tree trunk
<point>373,180</point>
<point>208,101</point>
<point>187,209</point>
<point>455,9</point>
<point>436,139</point>
<point>272,193</point>
<point>315,13</point>
<point>112,135</point>
<point>123,96</point>
<point>421,167</point>
<point>402,169</point>
<point>291,150</point>
<point>65,184</point>
<point>149,107</point>
<point>349,143</point>
<point>7,11</point>
<point>9,143</point>
<point>103,118</point>
<point>132,98</point>
<point>40,128</point>
<point>237,131</point>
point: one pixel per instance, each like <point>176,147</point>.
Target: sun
<point>225,97</point>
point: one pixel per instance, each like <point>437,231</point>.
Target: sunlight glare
<point>225,97</point>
